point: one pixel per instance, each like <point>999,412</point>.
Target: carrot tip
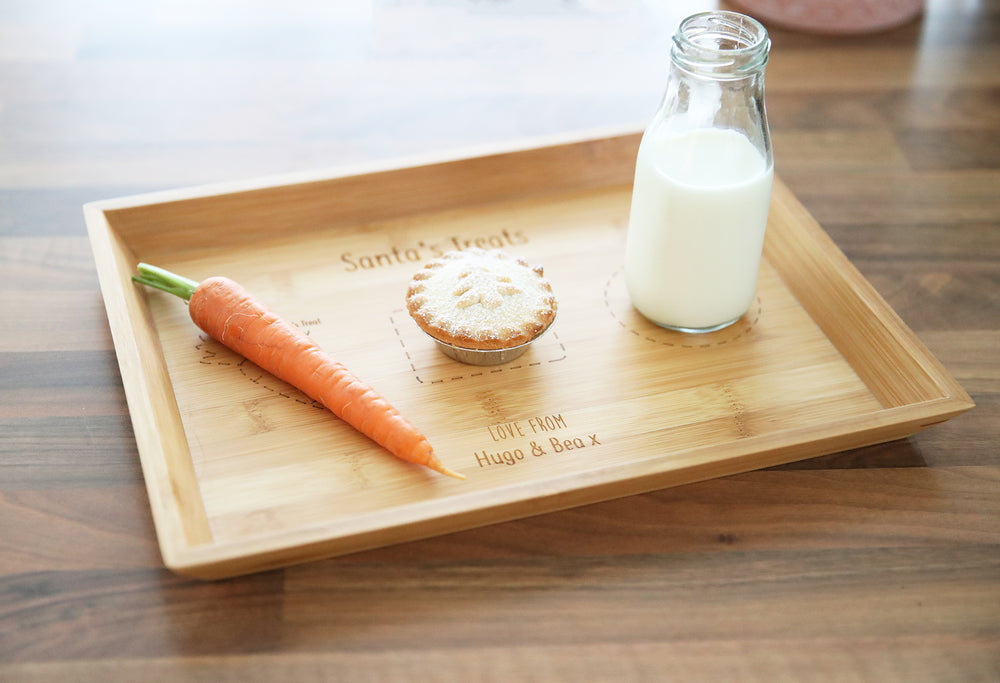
<point>451,473</point>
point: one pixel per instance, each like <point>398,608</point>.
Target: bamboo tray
<point>244,473</point>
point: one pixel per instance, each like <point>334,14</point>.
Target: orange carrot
<point>231,315</point>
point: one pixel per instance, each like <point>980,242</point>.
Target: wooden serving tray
<point>244,473</point>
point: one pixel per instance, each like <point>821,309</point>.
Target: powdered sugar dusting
<point>482,296</point>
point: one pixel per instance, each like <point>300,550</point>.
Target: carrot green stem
<point>165,280</point>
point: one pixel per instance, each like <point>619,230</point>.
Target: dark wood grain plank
<point>41,384</point>
<point>55,452</point>
<point>61,370</point>
<point>36,212</point>
<point>904,658</point>
<point>66,529</point>
<point>937,150</point>
<point>53,320</point>
<point>336,607</point>
<point>40,263</point>
<point>944,198</point>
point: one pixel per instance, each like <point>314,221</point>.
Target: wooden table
<point>881,563</point>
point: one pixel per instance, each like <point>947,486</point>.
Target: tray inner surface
<point>604,385</point>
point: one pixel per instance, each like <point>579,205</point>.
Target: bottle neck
<point>721,45</point>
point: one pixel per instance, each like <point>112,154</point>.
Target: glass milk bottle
<point>703,179</point>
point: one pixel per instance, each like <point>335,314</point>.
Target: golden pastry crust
<point>481,299</point>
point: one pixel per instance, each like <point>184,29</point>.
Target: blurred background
<point>149,93</point>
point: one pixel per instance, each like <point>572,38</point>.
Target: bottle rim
<point>721,42</point>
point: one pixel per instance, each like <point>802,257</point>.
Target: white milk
<point>699,209</point>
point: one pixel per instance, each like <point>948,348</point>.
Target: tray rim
<point>572,488</point>
<point>186,544</point>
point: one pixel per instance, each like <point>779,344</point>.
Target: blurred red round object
<point>836,17</point>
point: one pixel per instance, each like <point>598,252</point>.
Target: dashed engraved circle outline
<point>741,327</point>
<point>251,371</point>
